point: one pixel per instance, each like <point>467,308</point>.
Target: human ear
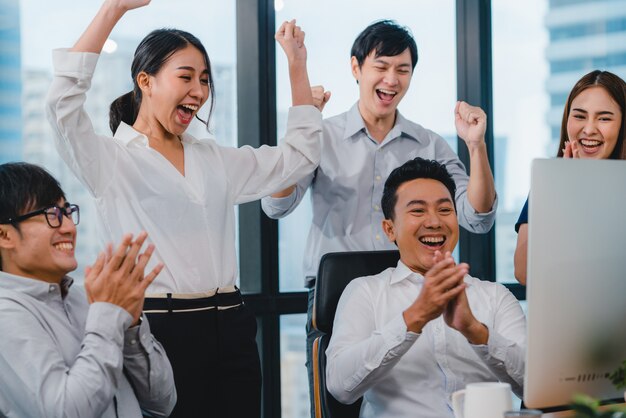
<point>356,69</point>
<point>144,82</point>
<point>6,237</point>
<point>389,230</point>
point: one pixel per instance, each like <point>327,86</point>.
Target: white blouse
<point>190,218</point>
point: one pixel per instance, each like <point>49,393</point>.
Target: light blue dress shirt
<point>347,187</point>
<point>62,357</point>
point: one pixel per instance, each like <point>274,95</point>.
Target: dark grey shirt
<point>62,357</point>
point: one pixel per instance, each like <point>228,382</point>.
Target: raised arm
<point>291,39</point>
<point>111,11</point>
<point>471,125</point>
<point>320,98</point>
<point>271,169</point>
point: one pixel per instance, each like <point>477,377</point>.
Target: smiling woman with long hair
<point>593,126</point>
<point>152,176</point>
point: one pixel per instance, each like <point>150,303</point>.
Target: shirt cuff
<point>108,321</point>
<point>74,64</point>
<point>280,203</point>
<point>496,347</point>
<point>136,339</point>
<point>491,212</point>
<point>303,113</point>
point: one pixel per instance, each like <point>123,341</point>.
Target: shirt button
<point>51,289</point>
<point>378,178</point>
<point>378,237</point>
<point>133,341</point>
<point>376,207</point>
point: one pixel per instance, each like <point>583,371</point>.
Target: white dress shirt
<point>403,374</point>
<point>63,357</point>
<point>189,218</point>
<point>347,187</point>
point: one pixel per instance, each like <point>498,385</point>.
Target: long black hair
<point>616,88</point>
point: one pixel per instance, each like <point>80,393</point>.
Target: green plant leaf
<point>618,377</point>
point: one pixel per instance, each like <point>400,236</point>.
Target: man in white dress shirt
<point>408,337</point>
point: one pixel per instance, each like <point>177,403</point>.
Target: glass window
<point>44,25</point>
<point>430,100</point>
<point>532,77</point>
<point>294,385</point>
<point>521,102</point>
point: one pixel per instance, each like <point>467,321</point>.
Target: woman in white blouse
<point>153,176</point>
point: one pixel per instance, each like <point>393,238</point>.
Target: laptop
<point>576,285</point>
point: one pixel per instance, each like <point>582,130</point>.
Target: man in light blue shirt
<point>65,351</point>
<point>363,145</point>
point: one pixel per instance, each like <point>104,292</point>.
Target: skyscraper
<point>584,35</point>
<point>10,82</point>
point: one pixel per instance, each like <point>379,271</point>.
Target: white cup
<point>482,400</point>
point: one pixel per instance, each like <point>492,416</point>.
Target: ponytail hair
<point>124,109</point>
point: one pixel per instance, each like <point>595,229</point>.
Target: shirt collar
<point>37,289</point>
<point>355,124</point>
<point>402,272</point>
<point>127,135</point>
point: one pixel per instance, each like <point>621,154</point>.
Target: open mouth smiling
<point>64,246</point>
<point>590,144</point>
<point>433,242</point>
<point>386,95</point>
<point>186,112</point>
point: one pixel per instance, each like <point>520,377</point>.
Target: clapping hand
<point>117,277</point>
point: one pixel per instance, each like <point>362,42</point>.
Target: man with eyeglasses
<point>65,351</point>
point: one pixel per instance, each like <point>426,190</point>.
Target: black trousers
<point>215,361</point>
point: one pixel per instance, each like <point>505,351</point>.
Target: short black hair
<point>26,187</point>
<point>387,38</point>
<point>417,168</point>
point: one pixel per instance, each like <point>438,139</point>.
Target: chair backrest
<point>335,272</point>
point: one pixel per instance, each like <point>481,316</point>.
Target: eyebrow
<point>382,61</point>
<point>188,68</point>
<point>423,202</point>
<point>604,112</point>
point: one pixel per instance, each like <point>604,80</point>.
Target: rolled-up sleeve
<point>469,218</point>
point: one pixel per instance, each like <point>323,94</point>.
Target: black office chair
<point>335,272</point>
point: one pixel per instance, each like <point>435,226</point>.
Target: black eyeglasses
<point>54,215</point>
